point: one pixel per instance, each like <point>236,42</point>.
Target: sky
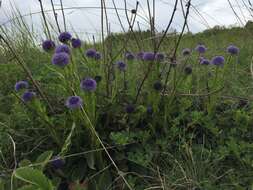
<point>83,16</point>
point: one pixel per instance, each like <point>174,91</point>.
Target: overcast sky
<point>86,21</point>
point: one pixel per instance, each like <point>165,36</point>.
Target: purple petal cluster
<point>21,85</point>
<point>218,60</point>
<point>63,48</point>
<point>121,65</point>
<point>89,84</point>
<point>159,56</point>
<point>129,56</point>
<point>58,162</point>
<point>28,96</point>
<point>74,102</point>
<point>204,61</point>
<point>91,53</point>
<point>76,43</point>
<point>140,55</point>
<point>61,59</point>
<point>64,37</point>
<point>233,50</point>
<point>48,45</point>
<point>148,56</point>
<point>201,49</point>
<point>98,56</point>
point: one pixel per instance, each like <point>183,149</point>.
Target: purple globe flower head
<point>98,56</point>
<point>159,56</point>
<point>148,56</point>
<point>204,61</point>
<point>28,96</point>
<point>88,84</point>
<point>21,85</point>
<point>201,48</point>
<point>58,162</point>
<point>74,102</point>
<point>48,45</point>
<point>150,110</point>
<point>61,59</point>
<point>64,37</point>
<point>76,43</point>
<point>233,50</point>
<point>62,48</point>
<point>158,86</point>
<point>129,56</point>
<point>186,52</point>
<point>140,55</point>
<point>218,60</point>
<point>130,108</point>
<point>121,65</point>
<point>91,53</point>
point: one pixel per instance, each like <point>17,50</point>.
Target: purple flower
<point>140,55</point>
<point>98,56</point>
<point>61,59</point>
<point>233,50</point>
<point>62,48</point>
<point>58,162</point>
<point>150,110</point>
<point>129,56</point>
<point>186,52</point>
<point>218,60</point>
<point>204,61</point>
<point>201,49</point>
<point>130,108</point>
<point>76,43</point>
<point>64,37</point>
<point>21,85</point>
<point>121,65</point>
<point>158,86</point>
<point>148,56</point>
<point>48,45</point>
<point>91,53</point>
<point>28,96</point>
<point>159,56</point>
<point>74,102</point>
<point>88,84</point>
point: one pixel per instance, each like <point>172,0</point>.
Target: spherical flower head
<point>233,50</point>
<point>158,86</point>
<point>140,55</point>
<point>91,53</point>
<point>28,96</point>
<point>64,37</point>
<point>62,48</point>
<point>148,56</point>
<point>58,162</point>
<point>159,56</point>
<point>204,61</point>
<point>88,84</point>
<point>218,60</point>
<point>201,49</point>
<point>21,85</point>
<point>61,59</point>
<point>188,70</point>
<point>98,78</point>
<point>186,52</point>
<point>150,110</point>
<point>129,56</point>
<point>98,56</point>
<point>121,65</point>
<point>74,102</point>
<point>130,108</point>
<point>48,45</point>
<point>76,43</point>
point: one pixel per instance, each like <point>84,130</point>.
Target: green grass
<point>197,137</point>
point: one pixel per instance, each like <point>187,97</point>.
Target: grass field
<point>103,116</point>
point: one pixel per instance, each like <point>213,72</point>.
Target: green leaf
<point>34,177</point>
<point>91,161</point>
<point>67,142</point>
<point>43,159</point>
<point>29,187</point>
